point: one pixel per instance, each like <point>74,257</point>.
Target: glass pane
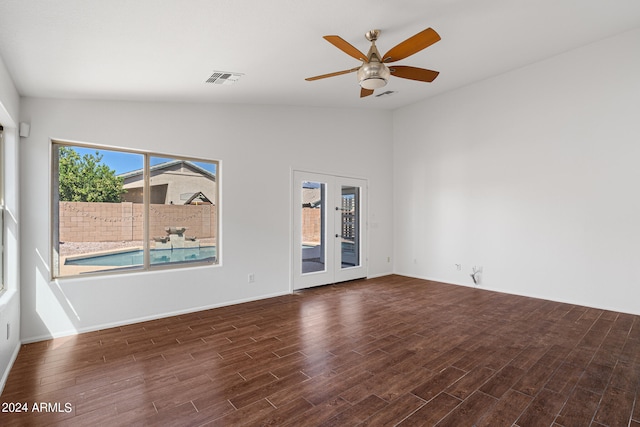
<point>1,246</point>
<point>1,210</point>
<point>313,227</point>
<point>98,221</point>
<point>182,211</point>
<point>350,227</point>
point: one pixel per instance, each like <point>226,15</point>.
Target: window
<point>1,211</point>
<point>120,211</point>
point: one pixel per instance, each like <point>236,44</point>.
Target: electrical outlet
<point>388,259</point>
<point>251,278</point>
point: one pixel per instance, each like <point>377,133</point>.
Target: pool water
<point>158,256</point>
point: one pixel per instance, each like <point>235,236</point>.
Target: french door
<point>329,229</point>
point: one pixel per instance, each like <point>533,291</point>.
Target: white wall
<point>534,175</point>
<point>257,147</point>
<point>10,297</point>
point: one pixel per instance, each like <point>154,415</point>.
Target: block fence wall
<point>311,225</point>
<point>112,222</point>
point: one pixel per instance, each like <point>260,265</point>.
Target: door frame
<point>334,272</point>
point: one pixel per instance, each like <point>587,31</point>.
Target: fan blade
<point>337,73</point>
<point>412,45</point>
<point>365,92</point>
<point>347,48</point>
<point>413,73</point>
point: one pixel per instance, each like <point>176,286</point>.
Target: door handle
<point>337,235</point>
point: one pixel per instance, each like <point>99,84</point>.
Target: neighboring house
<point>177,182</point>
<point>311,197</point>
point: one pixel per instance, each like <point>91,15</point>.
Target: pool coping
<point>70,271</point>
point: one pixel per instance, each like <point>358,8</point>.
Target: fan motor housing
<point>373,75</point>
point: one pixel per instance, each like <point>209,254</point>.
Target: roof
<point>311,197</point>
<point>198,195</point>
<point>166,165</point>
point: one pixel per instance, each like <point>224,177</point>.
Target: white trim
<point>332,273</point>
<point>147,266</point>
<point>7,371</point>
<point>148,318</point>
<point>375,276</point>
<point>520,294</point>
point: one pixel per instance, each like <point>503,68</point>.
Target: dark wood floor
<point>379,352</point>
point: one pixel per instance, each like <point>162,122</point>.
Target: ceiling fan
<point>374,73</point>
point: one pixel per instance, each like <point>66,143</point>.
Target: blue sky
<point>127,162</point>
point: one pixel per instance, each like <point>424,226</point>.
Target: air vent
<point>386,93</point>
<point>224,78</point>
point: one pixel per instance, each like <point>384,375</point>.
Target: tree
<point>86,179</point>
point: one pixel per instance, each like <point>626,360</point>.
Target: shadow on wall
<point>47,294</point>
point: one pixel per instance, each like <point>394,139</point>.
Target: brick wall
<point>311,225</point>
<point>112,222</point>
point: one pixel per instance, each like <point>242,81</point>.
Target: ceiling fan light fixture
<point>373,75</point>
<point>373,83</point>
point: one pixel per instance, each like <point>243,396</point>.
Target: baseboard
<point>5,374</point>
<point>483,287</point>
<point>147,318</point>
<point>375,276</point>
<point>433,279</point>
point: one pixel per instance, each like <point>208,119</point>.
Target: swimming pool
<point>158,256</point>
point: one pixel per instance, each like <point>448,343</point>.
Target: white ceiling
<point>164,50</point>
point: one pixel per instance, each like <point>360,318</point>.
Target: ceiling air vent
<point>224,78</point>
<point>386,93</point>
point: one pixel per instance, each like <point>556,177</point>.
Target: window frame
<point>147,265</point>
<point>2,210</point>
